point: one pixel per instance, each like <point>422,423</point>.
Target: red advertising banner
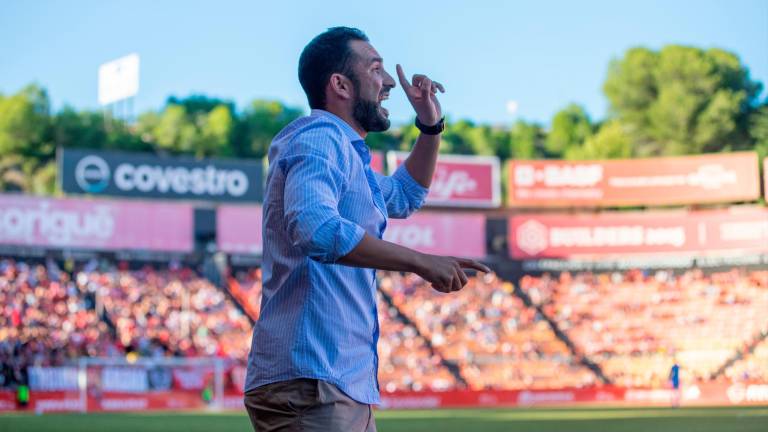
<point>738,229</point>
<point>377,161</point>
<point>440,233</point>
<point>95,224</point>
<point>238,229</point>
<point>460,181</point>
<point>703,394</point>
<point>722,177</point>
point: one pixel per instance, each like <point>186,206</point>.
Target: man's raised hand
<point>421,93</point>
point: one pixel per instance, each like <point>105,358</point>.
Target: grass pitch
<point>476,420</point>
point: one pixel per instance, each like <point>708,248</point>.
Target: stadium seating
<point>497,342</point>
<point>245,286</point>
<point>632,324</point>
<point>405,360</point>
<point>171,312</point>
<point>635,324</point>
<point>46,320</point>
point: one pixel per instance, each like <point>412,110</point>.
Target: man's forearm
<point>382,255</point>
<point>423,158</point>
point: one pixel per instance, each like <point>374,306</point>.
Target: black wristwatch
<point>435,129</point>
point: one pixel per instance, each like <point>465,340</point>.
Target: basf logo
<point>150,176</point>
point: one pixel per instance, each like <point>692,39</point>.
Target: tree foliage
<point>682,100</point>
<point>676,100</point>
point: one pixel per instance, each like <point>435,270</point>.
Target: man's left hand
<point>421,93</point>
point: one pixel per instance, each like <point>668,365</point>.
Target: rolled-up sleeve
<point>402,194</point>
<point>314,182</point>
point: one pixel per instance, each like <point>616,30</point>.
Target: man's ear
<point>341,86</point>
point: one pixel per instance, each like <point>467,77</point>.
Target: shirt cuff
<point>415,192</point>
<point>349,235</point>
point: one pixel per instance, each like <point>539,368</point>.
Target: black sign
<point>150,176</point>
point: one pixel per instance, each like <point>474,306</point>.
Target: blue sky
<point>539,54</point>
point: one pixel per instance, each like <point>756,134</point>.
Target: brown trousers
<point>306,405</point>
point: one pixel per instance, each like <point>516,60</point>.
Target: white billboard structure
<point>119,83</point>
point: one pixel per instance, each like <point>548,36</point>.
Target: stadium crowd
<point>636,324</point>
<point>171,311</point>
<point>46,319</point>
<point>497,342</point>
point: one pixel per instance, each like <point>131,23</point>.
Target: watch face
<point>431,130</point>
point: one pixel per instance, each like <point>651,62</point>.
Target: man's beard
<point>368,115</point>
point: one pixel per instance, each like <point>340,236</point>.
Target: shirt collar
<point>357,141</point>
<point>348,131</point>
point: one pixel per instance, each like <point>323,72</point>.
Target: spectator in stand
<point>46,319</point>
<point>488,332</point>
<point>629,322</point>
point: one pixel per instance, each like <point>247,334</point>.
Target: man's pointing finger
<point>468,263</point>
<point>401,77</point>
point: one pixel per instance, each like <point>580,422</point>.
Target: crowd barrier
<point>704,394</point>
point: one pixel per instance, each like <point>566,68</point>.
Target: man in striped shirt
<point>313,360</point>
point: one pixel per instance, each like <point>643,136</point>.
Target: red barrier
<point>722,177</point>
<point>705,394</point>
<point>740,229</point>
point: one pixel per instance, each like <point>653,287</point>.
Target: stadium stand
<point>171,312</point>
<point>497,342</point>
<point>632,324</point>
<point>406,361</point>
<point>46,320</point>
<point>635,324</point>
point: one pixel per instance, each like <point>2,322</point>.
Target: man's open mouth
<point>382,98</point>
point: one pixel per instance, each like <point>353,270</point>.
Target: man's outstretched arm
<point>446,274</point>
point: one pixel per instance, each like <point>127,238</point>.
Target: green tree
<point>682,100</point>
<point>611,141</point>
<point>25,137</point>
<point>25,123</point>
<point>526,140</point>
<point>258,125</point>
<point>571,127</point>
<point>759,130</point>
<point>94,130</point>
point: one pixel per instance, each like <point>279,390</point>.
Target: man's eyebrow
<point>376,59</point>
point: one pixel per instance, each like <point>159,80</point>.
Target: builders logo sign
<point>150,176</point>
<point>620,234</point>
<point>460,181</point>
<point>660,181</point>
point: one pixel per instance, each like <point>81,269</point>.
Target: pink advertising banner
<point>95,224</point>
<point>238,229</point>
<point>377,161</point>
<point>460,181</point>
<point>456,234</point>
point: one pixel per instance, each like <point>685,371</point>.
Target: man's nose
<point>389,81</point>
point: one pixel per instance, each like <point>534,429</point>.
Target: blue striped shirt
<point>318,319</point>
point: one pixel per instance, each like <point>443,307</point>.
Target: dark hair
<point>328,53</point>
